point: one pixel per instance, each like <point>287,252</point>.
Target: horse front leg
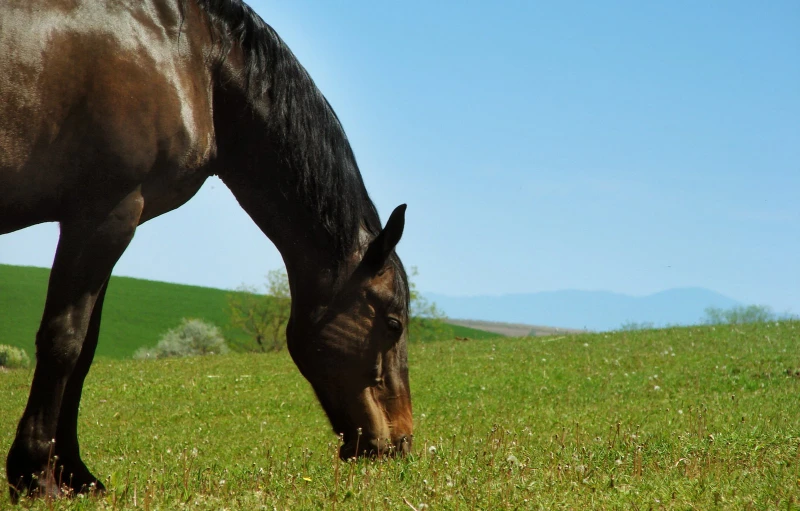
<point>69,465</point>
<point>87,251</point>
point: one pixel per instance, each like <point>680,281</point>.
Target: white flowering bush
<point>193,337</point>
<point>12,357</point>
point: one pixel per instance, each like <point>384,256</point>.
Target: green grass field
<point>683,418</point>
<point>135,314</point>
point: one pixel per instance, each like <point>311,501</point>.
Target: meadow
<point>682,418</point>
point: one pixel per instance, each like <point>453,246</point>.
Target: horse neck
<point>249,163</point>
<point>284,155</point>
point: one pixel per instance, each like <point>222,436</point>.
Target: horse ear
<point>382,246</point>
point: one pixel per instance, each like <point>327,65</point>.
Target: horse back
<point>98,96</point>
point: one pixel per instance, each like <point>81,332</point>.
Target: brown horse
<point>115,112</point>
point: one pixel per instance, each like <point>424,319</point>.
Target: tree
<point>263,317</point>
<point>426,319</point>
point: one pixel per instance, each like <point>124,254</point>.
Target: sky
<point>623,146</point>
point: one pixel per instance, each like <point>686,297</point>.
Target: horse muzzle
<point>365,446</point>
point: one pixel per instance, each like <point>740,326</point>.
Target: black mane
<point>327,177</point>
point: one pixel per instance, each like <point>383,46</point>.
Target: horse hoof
<point>47,486</point>
<point>49,490</point>
<point>34,488</point>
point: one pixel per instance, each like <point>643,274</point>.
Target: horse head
<point>353,349</point>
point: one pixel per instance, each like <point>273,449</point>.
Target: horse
<point>115,112</point>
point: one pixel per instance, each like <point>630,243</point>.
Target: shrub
<point>743,314</point>
<point>12,357</point>
<point>193,337</point>
<point>632,326</point>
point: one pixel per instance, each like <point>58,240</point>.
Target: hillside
<point>136,311</point>
<point>135,314</point>
<point>586,310</point>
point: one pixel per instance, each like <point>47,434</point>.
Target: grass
<point>682,418</point>
<point>136,312</point>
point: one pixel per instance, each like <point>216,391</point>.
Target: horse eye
<point>394,325</point>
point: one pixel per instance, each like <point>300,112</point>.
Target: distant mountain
<point>592,310</point>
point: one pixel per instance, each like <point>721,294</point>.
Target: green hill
<point>135,314</point>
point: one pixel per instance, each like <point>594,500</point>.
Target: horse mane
<point>327,179</point>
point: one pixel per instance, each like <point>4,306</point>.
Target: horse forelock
<point>314,143</point>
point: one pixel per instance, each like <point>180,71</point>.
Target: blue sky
<point>622,146</point>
